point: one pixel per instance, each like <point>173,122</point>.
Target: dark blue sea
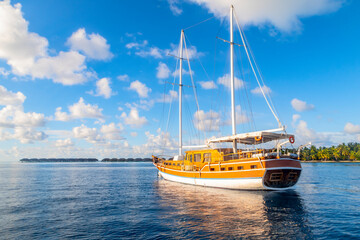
<point>129,201</point>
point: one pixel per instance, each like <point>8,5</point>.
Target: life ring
<point>258,138</point>
<point>291,139</point>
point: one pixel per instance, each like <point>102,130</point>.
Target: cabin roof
<point>252,138</point>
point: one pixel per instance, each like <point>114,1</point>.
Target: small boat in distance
<point>231,167</point>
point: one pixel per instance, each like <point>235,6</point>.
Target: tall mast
<point>233,119</point>
<point>180,92</point>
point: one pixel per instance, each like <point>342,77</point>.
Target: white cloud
<point>10,98</point>
<point>27,52</point>
<point>79,110</point>
<point>167,98</point>
<point>352,128</point>
<point>282,14</point>
<point>102,136</point>
<point>207,121</point>
<point>133,134</point>
<point>28,135</point>
<point>111,132</point>
<point>174,8</point>
<point>4,72</point>
<point>305,134</point>
<point>240,115</point>
<point>184,72</point>
<point>133,119</point>
<point>301,106</point>
<point>156,143</point>
<point>17,124</point>
<point>295,118</point>
<point>225,80</point>
<point>140,88</point>
<point>154,52</point>
<point>143,50</point>
<point>162,71</point>
<point>208,84</point>
<point>63,143</point>
<point>68,68</point>
<point>18,46</point>
<point>14,116</point>
<point>22,134</point>
<point>93,46</point>
<point>123,78</point>
<point>89,134</point>
<point>103,88</point>
<point>257,90</point>
<point>136,45</point>
<point>144,104</point>
<point>191,52</point>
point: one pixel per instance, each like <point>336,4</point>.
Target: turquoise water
<point>129,201</point>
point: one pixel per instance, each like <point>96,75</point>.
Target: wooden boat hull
<point>279,175</point>
<point>230,183</point>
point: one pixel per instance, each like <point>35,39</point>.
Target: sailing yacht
<point>213,165</point>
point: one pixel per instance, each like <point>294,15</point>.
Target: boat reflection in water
<point>220,213</point>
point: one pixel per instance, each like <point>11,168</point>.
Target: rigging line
<point>252,120</point>
<point>202,66</point>
<point>243,109</point>
<point>192,80</point>
<point>191,128</point>
<point>162,117</point>
<point>256,77</point>
<point>199,23</point>
<point>171,100</point>
<point>260,74</point>
<point>207,75</point>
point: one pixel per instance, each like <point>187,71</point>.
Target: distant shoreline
<point>319,161</point>
<point>62,160</point>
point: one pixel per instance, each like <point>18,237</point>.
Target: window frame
<point>195,157</point>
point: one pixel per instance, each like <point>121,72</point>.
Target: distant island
<point>54,160</point>
<point>340,153</point>
<point>50,160</point>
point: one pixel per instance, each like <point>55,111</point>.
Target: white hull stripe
<point>232,183</point>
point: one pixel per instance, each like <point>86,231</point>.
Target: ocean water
<point>129,201</point>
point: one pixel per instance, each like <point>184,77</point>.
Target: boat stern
<point>280,179</point>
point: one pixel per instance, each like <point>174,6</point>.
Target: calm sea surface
<point>129,201</point>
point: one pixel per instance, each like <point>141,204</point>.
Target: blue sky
<point>87,78</point>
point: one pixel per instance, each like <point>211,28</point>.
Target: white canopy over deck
<point>253,138</point>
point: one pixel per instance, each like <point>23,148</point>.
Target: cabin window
<point>253,166</point>
<point>222,169</point>
<point>197,157</point>
<point>190,158</point>
<point>212,169</point>
<point>207,157</point>
<point>230,168</point>
<point>240,167</point>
